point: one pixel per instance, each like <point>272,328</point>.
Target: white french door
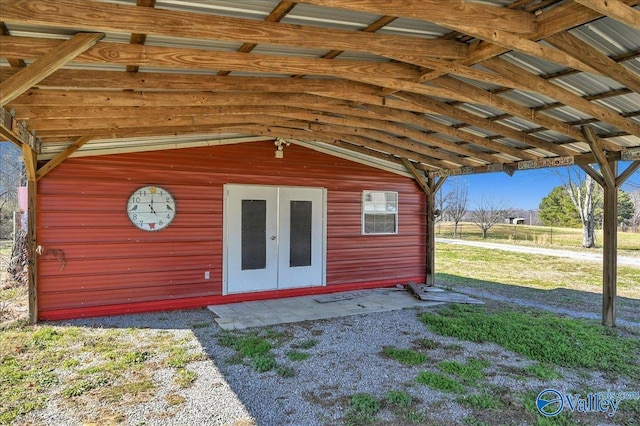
<point>274,237</point>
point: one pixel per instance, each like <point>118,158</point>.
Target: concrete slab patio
<point>234,316</point>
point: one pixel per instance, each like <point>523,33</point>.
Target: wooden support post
<point>610,251</point>
<point>30,162</point>
<point>431,233</point>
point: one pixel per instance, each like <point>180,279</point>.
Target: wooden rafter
<point>84,14</point>
<point>59,159</point>
<point>614,9</point>
<point>448,13</point>
<point>202,59</point>
<point>547,88</point>
<point>14,62</point>
<point>596,147</point>
<point>48,63</point>
<point>572,45</point>
<point>138,38</point>
<point>276,15</point>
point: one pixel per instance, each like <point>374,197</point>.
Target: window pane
<point>254,234</point>
<point>380,224</point>
<point>380,210</point>
<point>300,238</point>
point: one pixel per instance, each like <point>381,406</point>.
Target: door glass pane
<point>300,239</point>
<point>254,234</point>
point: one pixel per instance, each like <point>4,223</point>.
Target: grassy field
<point>628,242</point>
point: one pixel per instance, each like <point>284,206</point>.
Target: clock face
<point>151,208</point>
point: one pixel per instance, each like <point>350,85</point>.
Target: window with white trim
<point>379,212</point>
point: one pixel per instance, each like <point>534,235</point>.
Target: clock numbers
<point>151,208</point>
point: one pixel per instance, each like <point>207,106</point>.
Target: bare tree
<point>458,202</point>
<point>10,179</point>
<point>443,198</point>
<point>487,213</point>
<point>635,199</point>
<point>584,195</point>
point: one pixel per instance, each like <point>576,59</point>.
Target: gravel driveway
<point>346,358</point>
<point>570,254</point>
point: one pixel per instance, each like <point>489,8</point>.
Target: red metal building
<point>95,261</point>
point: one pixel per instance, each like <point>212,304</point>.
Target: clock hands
<point>151,206</point>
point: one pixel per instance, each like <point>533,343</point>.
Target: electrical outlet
<point>207,275</point>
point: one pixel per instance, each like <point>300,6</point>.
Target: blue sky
<point>524,190</point>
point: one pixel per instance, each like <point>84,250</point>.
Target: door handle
<point>273,238</point>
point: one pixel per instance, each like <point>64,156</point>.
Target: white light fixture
<point>280,143</point>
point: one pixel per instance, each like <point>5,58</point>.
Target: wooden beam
<point>276,15</point>
<point>440,108</point>
<point>30,159</point>
<point>593,173</point>
<point>420,179</point>
<point>434,185</point>
<point>448,13</point>
<point>577,48</point>
<point>203,59</point>
<point>487,98</point>
<point>610,251</point>
<point>401,131</point>
<point>537,84</point>
<point>429,124</point>
<point>139,38</point>
<point>111,80</point>
<point>376,148</point>
<point>119,18</point>
<point>631,169</point>
<point>17,132</point>
<point>53,59</point>
<point>396,141</point>
<point>616,10</point>
<point>59,159</point>
<point>117,98</point>
<point>601,157</point>
<point>14,62</point>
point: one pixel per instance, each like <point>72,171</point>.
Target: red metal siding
<point>111,266</point>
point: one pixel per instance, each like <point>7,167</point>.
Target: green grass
<point>185,378</point>
<point>541,336</point>
<point>76,363</point>
<point>457,264</point>
<point>398,398</point>
<point>297,355</point>
<point>439,381</point>
<point>470,372</point>
<point>405,356</point>
<point>254,346</point>
<point>483,401</point>
<point>535,235</point>
<point>306,344</point>
<point>363,409</point>
<point>543,372</point>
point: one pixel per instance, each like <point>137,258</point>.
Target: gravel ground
<point>347,359</point>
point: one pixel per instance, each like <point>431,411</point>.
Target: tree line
<point>577,202</point>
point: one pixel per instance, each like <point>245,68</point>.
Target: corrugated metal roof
<point>611,37</point>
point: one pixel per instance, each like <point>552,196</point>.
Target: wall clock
<point>151,208</point>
